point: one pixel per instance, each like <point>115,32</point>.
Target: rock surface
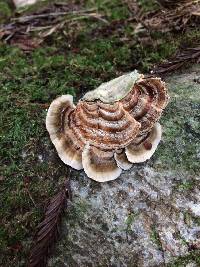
<point>150,216</point>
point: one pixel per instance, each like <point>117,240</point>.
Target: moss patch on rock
<point>180,148</point>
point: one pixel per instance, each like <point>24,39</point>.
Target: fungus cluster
<point>111,127</point>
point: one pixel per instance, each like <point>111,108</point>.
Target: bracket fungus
<point>111,127</point>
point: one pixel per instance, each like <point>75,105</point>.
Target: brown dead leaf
<point>25,42</point>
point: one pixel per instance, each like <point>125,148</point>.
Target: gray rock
<point>150,216</point>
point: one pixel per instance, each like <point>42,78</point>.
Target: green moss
<point>77,212</point>
<point>180,145</point>
<point>129,221</point>
<point>3,238</point>
<point>191,37</point>
<point>152,56</point>
<point>193,256</point>
<point>189,219</point>
<point>148,5</point>
<point>112,10</point>
<point>186,186</point>
<point>5,11</point>
<point>155,237</point>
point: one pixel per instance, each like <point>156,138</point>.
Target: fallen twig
<point>51,14</point>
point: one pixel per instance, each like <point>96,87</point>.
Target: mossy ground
<point>90,53</point>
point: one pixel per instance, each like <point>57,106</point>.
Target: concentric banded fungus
<point>111,127</point>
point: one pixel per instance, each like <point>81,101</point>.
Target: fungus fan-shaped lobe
<point>99,165</point>
<point>146,101</point>
<point>58,126</point>
<point>104,138</point>
<point>59,107</point>
<point>143,148</point>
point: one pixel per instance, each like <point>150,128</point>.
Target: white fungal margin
<point>137,154</point>
<point>103,176</point>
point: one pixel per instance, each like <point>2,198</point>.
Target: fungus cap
<point>111,127</point>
